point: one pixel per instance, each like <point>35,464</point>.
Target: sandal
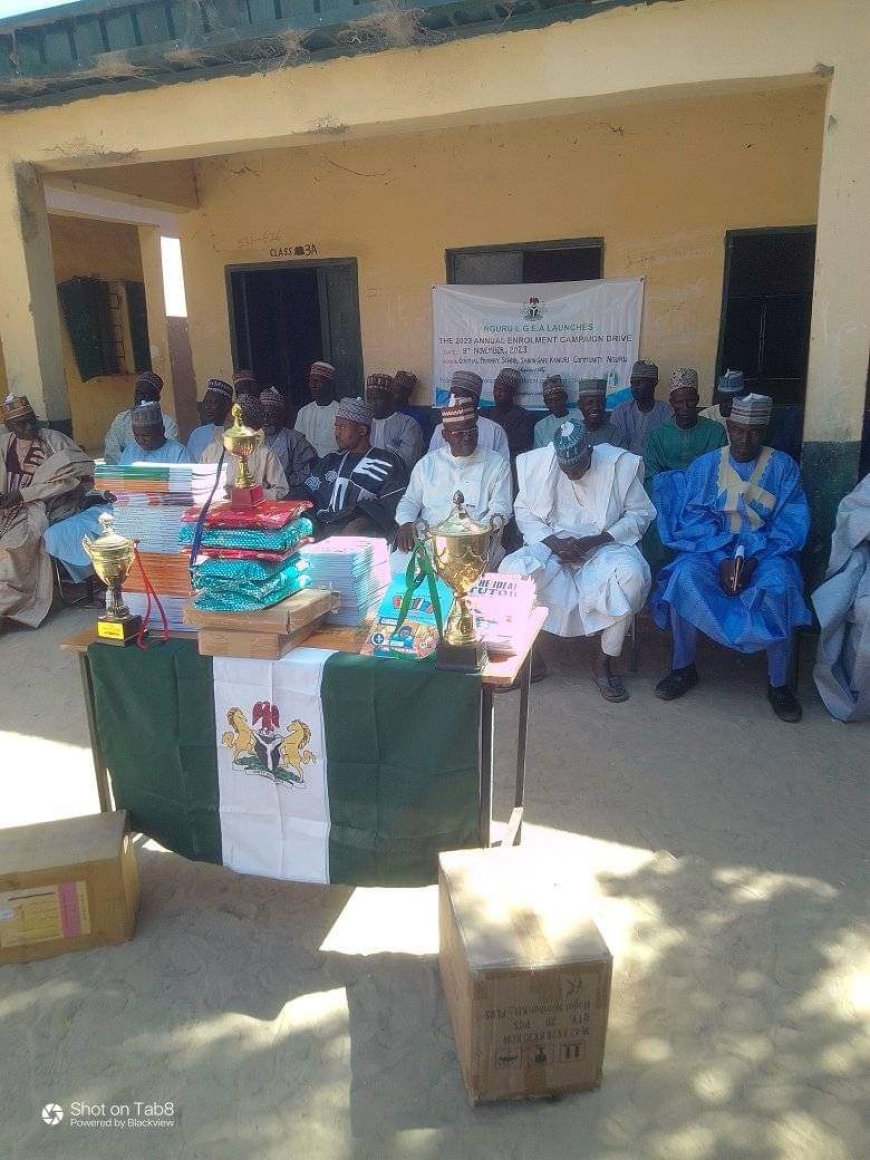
<point>612,689</point>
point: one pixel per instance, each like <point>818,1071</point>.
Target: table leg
<point>514,833</point>
<point>487,731</point>
<point>100,772</point>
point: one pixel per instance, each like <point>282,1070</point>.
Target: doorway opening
<point>766,306</point>
<point>285,316</point>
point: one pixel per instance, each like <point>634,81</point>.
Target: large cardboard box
<point>526,975</point>
<point>66,886</point>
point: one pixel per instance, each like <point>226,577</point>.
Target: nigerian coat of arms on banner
<point>263,749</point>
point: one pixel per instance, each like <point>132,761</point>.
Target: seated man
<point>44,482</point>
<point>516,422</point>
<point>356,489</point>
<point>676,444</point>
<point>404,385</point>
<point>244,384</point>
<point>216,403</point>
<point>264,464</point>
<point>392,431</point>
<point>842,603</point>
<point>147,388</point>
<point>582,511</point>
<point>556,401</point>
<point>644,412</point>
<point>737,518</point>
<point>149,443</point>
<point>598,425</point>
<point>468,385</point>
<point>316,420</point>
<point>483,476</point>
<point>295,453</point>
<point>731,386</point>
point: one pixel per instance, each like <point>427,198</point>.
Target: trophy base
<point>118,632</point>
<point>246,497</point>
<point>460,658</point>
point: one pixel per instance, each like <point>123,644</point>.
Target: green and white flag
<point>320,767</point>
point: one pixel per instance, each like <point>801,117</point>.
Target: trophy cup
<point>112,557</point>
<point>243,441</point>
<point>460,552</point>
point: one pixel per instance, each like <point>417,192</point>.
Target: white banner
<point>579,330</point>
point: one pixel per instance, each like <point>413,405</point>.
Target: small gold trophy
<point>243,441</point>
<point>460,551</point>
<point>112,557</point>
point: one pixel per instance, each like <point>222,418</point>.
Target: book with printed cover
<point>501,604</point>
<point>418,635</point>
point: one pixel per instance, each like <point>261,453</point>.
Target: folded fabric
<point>268,515</point>
<point>248,596</point>
<point>211,569</point>
<point>277,540</point>
<point>243,554</point>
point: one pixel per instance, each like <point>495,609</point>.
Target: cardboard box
<point>65,886</point>
<point>526,975</point>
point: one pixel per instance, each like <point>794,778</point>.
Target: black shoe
<point>676,683</point>
<point>784,703</point>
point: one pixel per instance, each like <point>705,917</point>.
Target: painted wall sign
<point>305,250</point>
<point>579,330</point>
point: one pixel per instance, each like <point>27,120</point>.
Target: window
<point>107,324</point>
<point>575,260</point>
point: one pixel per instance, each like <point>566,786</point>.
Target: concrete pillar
<point>29,311</point>
<point>840,332</point>
<point>158,336</point>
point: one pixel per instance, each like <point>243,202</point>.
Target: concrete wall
<point>660,182</point>
<point>108,250</point>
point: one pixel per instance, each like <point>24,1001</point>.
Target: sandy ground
<point>720,851</point>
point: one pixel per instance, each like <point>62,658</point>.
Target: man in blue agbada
<point>737,518</point>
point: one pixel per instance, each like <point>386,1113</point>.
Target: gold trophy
<point>460,551</point>
<point>243,441</point>
<point>112,557</point>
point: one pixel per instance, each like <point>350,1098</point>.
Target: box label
<point>43,913</point>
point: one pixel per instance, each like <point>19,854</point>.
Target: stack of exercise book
<point>357,569</point>
<point>150,502</point>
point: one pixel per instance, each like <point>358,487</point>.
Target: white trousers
<point>600,595</point>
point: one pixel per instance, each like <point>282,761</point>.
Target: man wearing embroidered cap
<point>677,443</point>
<point>294,452</point>
<point>147,388</point>
<point>316,420</point>
<point>468,385</point>
<point>581,511</point>
<point>516,422</point>
<point>731,386</point>
<point>244,383</point>
<point>390,430</point>
<point>404,385</point>
<point>216,403</point>
<point>482,475</point>
<point>644,412</point>
<point>736,519</point>
<point>263,463</point>
<point>45,479</point>
<point>598,425</point>
<point>149,443</point>
<point>555,398</point>
<point>355,489</point>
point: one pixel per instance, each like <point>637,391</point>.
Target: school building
<point>317,165</point>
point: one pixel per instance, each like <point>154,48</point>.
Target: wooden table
<point>498,673</point>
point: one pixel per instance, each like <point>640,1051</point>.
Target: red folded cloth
<point>269,515</point>
<point>249,554</point>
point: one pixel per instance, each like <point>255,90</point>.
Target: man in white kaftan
<point>483,477</point>
<point>582,511</point>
